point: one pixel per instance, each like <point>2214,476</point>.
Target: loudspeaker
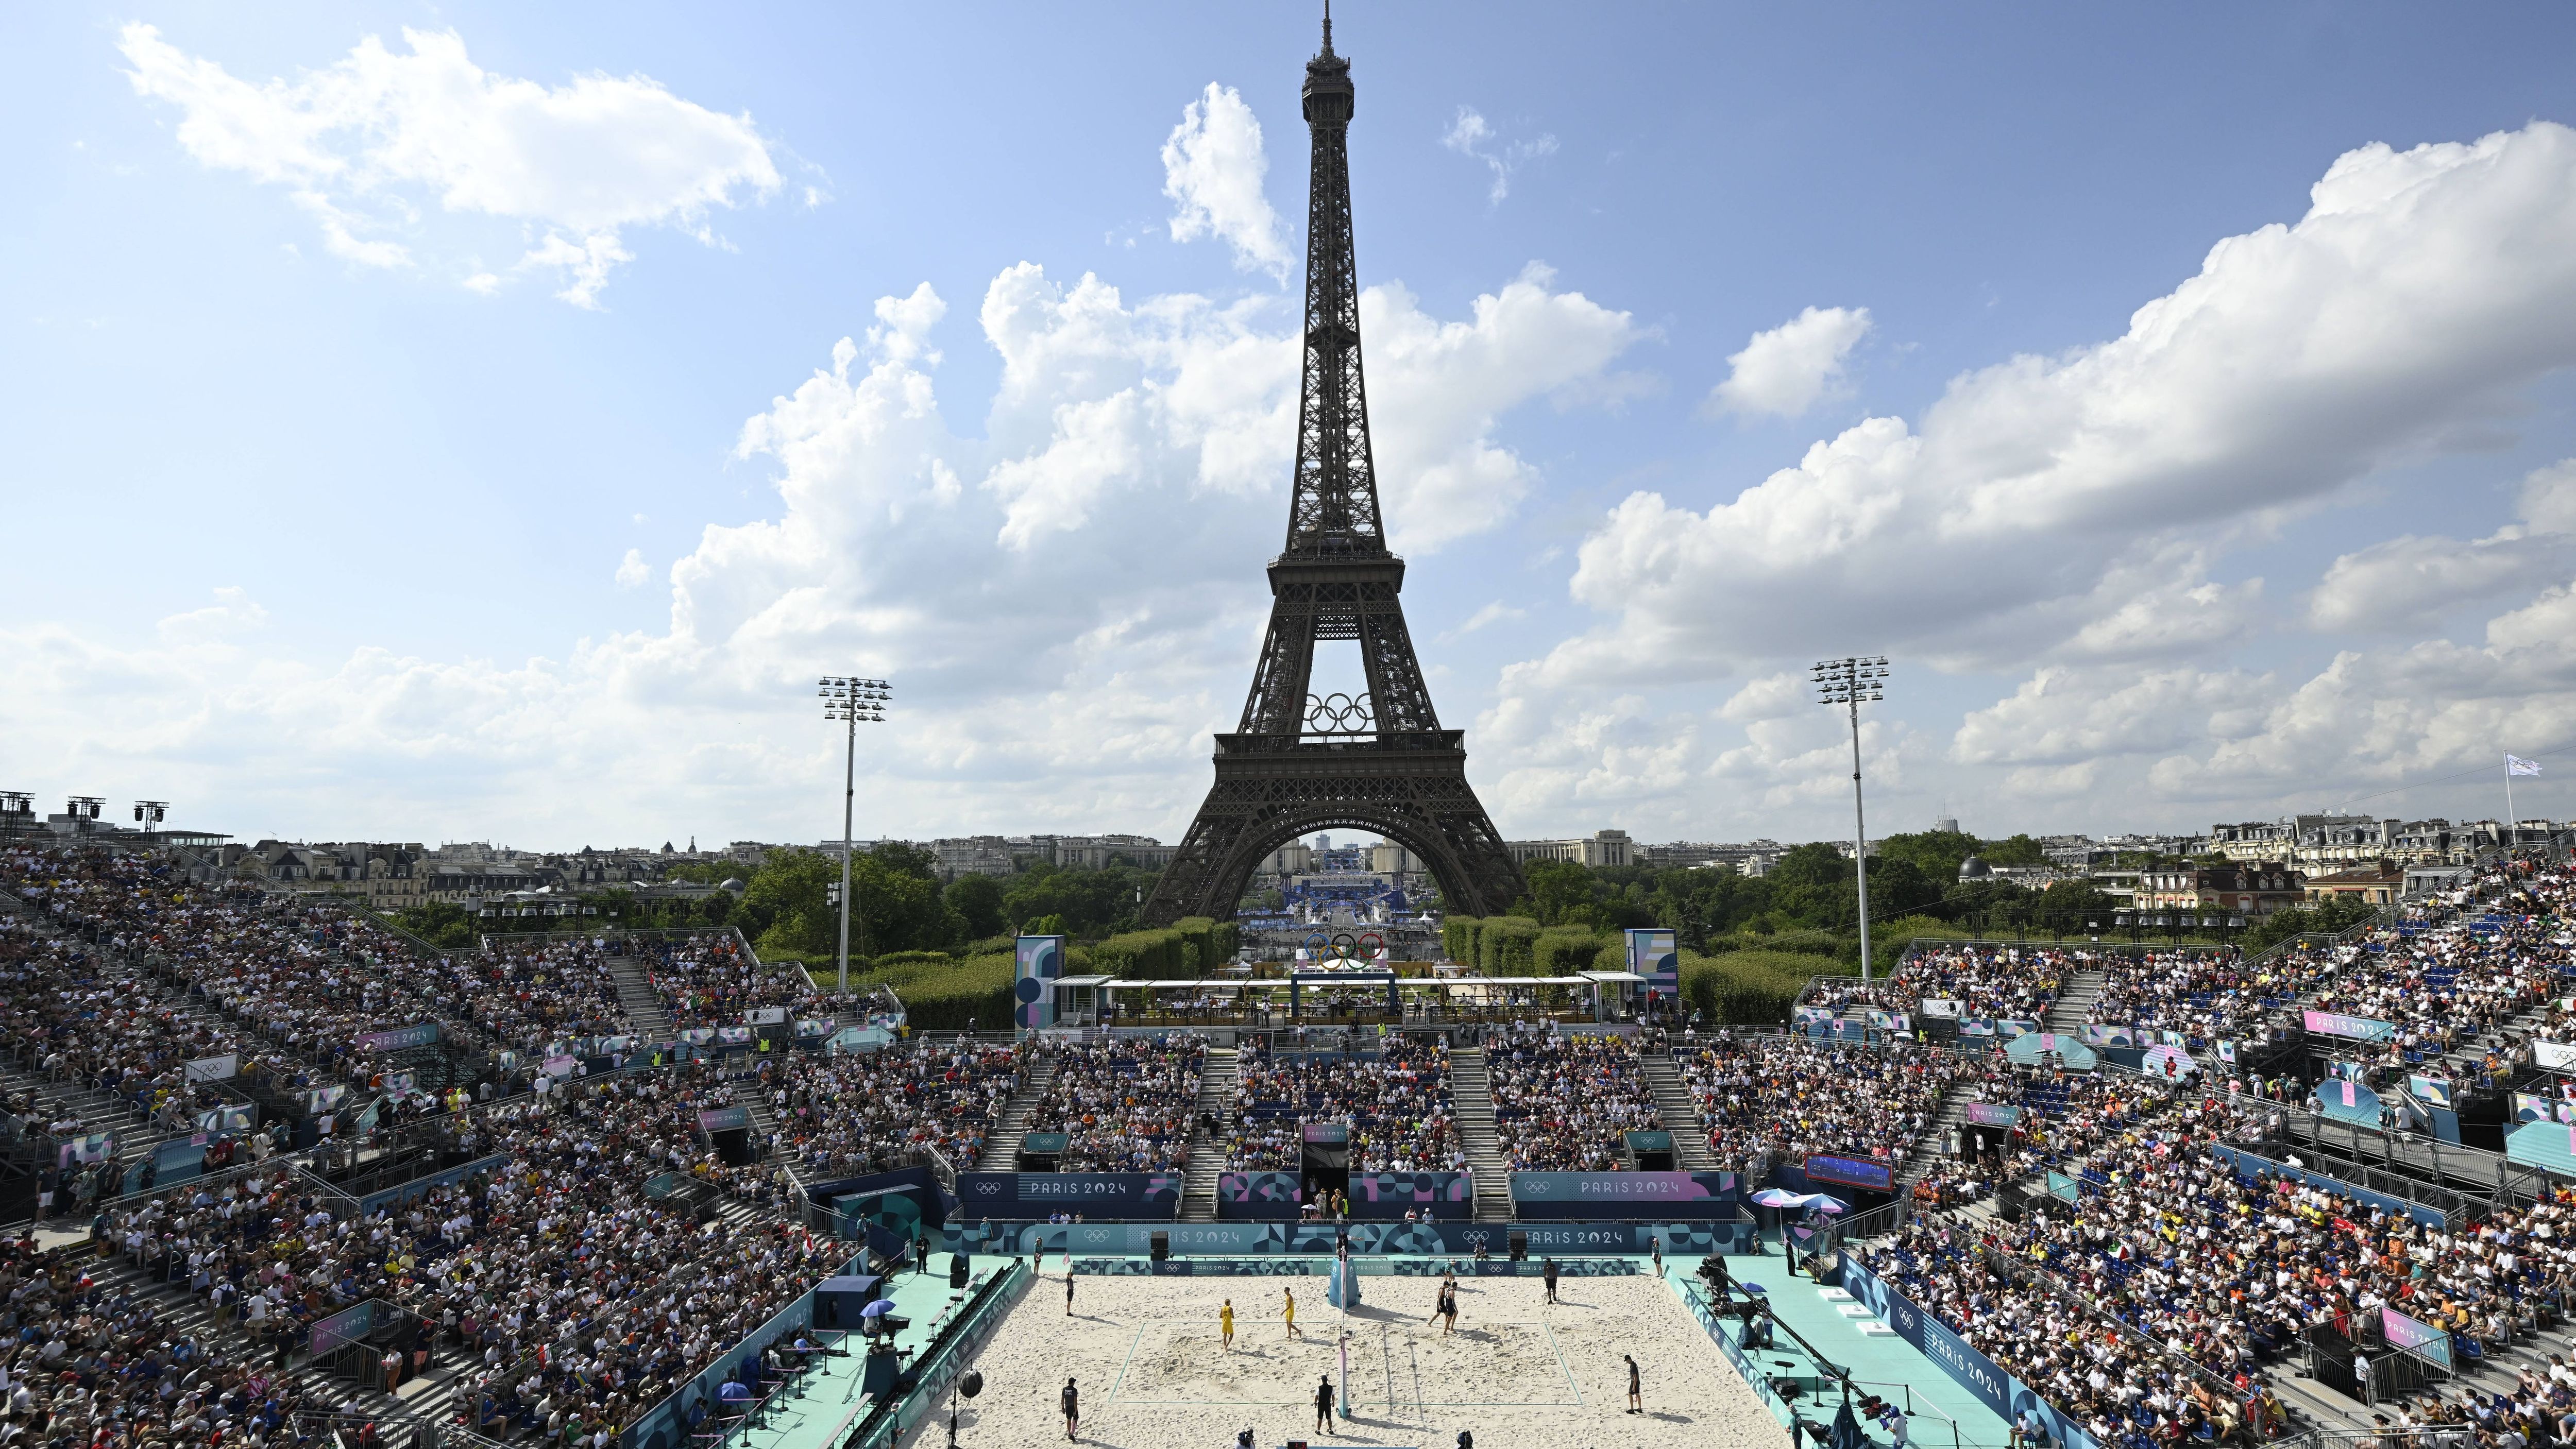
<point>1519,1246</point>
<point>1162,1246</point>
<point>957,1270</point>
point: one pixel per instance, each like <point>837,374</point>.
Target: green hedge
<point>1564,950</point>
<point>1458,938</point>
<point>1156,955</point>
<point>1507,946</point>
<point>942,993</point>
<point>1748,988</point>
<point>1191,948</point>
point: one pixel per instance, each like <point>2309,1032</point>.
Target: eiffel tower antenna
<point>1380,761</point>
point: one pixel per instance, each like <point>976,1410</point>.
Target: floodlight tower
<point>85,807</point>
<point>1850,682</point>
<point>150,813</point>
<point>853,700</point>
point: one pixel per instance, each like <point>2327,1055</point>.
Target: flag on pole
<point>2517,765</point>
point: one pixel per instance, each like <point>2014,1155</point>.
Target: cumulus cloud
<point>2410,582</point>
<point>2069,521</point>
<point>1214,168</point>
<point>1066,589</point>
<point>2422,290</point>
<point>2398,715</point>
<point>365,144</point>
<point>2063,716</point>
<point>1470,134</point>
<point>1784,371</point>
<point>634,572</point>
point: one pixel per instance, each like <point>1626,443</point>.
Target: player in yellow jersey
<point>1225,1324</point>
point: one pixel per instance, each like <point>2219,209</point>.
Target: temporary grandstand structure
<point>1344,997</point>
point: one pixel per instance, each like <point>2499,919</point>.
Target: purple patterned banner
<point>1385,1196</point>
<point>1257,1197</point>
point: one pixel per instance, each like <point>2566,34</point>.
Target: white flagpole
<point>2512,827</point>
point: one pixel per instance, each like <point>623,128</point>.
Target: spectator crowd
<point>1396,1103</point>
<point>1561,1103</point>
<point>1127,1105</point>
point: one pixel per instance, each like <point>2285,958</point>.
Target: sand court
<point>1146,1356</point>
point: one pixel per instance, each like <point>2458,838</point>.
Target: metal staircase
<point>1471,1096</point>
<point>2074,1001</point>
<point>1926,1150</point>
<point>1218,1079</point>
<point>1002,1149</point>
<point>642,1004</point>
<point>1680,1111</point>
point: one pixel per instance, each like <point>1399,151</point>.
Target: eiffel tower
<point>1378,761</point>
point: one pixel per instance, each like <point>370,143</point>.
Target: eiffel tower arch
<point>1377,761</point>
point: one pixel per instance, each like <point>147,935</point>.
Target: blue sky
<point>426,421</point>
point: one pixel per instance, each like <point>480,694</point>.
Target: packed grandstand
<point>603,1244</point>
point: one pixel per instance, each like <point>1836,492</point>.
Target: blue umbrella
<point>1752,1287</point>
<point>882,1305</point>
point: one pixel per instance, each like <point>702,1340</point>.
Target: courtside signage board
<point>2007,1397</point>
<point>1626,1194</point>
<point>1109,1195</point>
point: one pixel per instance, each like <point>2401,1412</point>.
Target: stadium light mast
<point>150,813</point>
<point>851,699</point>
<point>1851,682</point>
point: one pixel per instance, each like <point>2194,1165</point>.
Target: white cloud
<point>2380,719</point>
<point>2069,521</point>
<point>1181,393</point>
<point>634,572</point>
<point>234,612</point>
<point>1438,389</point>
<point>1496,612</point>
<point>1784,371</point>
<point>1470,134</point>
<point>2063,716</point>
<point>365,143</point>
<point>2409,582</point>
<point>1067,596</point>
<point>1213,170</point>
<point>2421,291</point>
<point>1773,696</point>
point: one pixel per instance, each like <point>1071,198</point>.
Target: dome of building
<point>733,884</point>
<point>1975,868</point>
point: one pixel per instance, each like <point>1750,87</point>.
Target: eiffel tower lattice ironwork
<point>1378,761</point>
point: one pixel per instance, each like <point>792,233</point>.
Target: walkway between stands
<point>820,1410</point>
<point>1885,1365</point>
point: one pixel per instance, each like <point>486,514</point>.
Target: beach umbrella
<point>881,1306</point>
<point>1826,1203</point>
<point>1778,1197</point>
